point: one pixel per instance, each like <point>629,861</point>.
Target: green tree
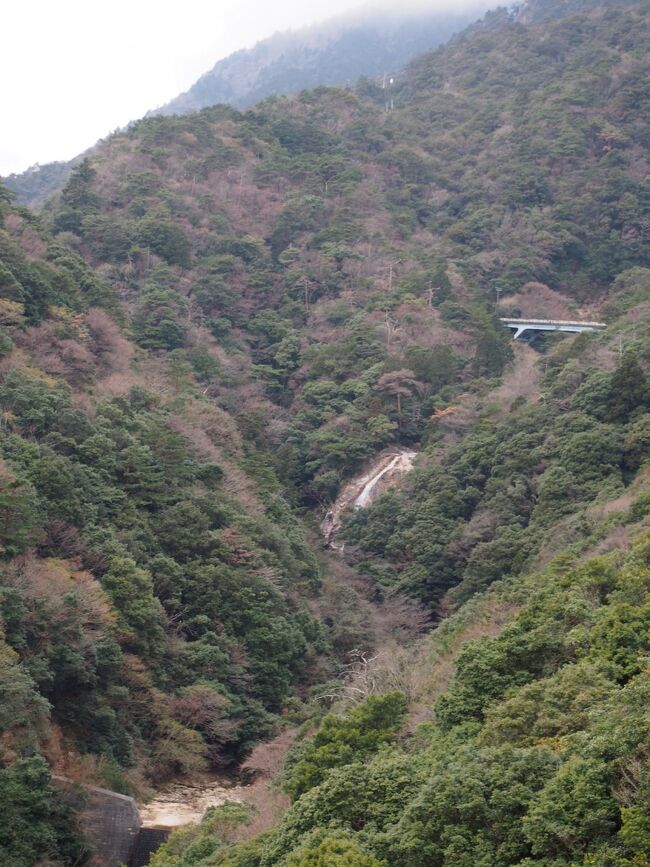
<point>19,514</point>
<point>342,740</point>
<point>493,351</point>
<point>130,589</point>
<point>35,825</point>
<point>160,320</point>
<point>574,811</point>
<point>166,238</point>
<point>629,388</point>
<point>333,850</point>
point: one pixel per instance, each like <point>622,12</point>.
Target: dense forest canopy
<point>223,317</point>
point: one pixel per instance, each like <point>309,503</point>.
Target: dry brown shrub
<point>210,430</point>
<point>480,527</point>
<point>7,477</point>
<point>32,243</point>
<point>465,416</point>
<point>390,668</point>
<point>538,301</point>
<point>619,504</point>
<point>199,441</point>
<point>632,774</point>
<point>49,580</point>
<point>638,164</point>
<point>617,539</point>
<point>487,622</point>
<point>66,762</point>
<point>148,372</point>
<point>55,749</point>
<point>112,349</point>
<point>521,378</point>
<point>199,336</point>
<point>78,362</point>
<point>238,553</point>
<point>423,326</point>
<point>119,383</point>
<point>268,804</point>
<point>238,485</point>
<point>605,358</point>
<point>267,758</point>
<point>62,358</point>
<point>63,538</point>
<point>146,703</point>
<point>401,618</point>
<point>214,436</point>
<point>259,770</point>
<point>13,223</point>
<point>200,707</point>
<point>40,578</point>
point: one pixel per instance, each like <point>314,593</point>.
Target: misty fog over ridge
<point>367,40</point>
<point>74,91</point>
<point>370,40</point>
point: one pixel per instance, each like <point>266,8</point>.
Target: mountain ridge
<point>340,57</point>
<point>336,52</point>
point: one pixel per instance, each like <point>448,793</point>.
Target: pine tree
<point>628,389</point>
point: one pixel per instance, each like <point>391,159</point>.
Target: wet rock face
<point>360,492</point>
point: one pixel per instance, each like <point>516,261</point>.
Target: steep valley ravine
<point>184,802</point>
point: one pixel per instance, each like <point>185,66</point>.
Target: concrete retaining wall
<point>110,821</point>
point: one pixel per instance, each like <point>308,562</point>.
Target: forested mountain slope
<point>537,754</point>
<point>373,43</point>
<point>370,42</point>
<point>535,11</point>
<point>226,314</point>
<point>324,249</point>
<point>158,594</point>
<point>33,187</point>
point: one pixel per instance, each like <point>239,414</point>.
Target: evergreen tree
<point>629,388</point>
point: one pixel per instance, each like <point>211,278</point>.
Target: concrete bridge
<point>520,326</point>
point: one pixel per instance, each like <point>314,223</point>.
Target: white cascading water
<point>401,463</point>
<point>361,491</point>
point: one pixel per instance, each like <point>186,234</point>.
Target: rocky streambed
<point>180,803</point>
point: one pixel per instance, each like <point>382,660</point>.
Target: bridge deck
<point>520,326</point>
<point>558,322</point>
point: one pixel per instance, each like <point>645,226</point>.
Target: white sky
<point>71,71</point>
